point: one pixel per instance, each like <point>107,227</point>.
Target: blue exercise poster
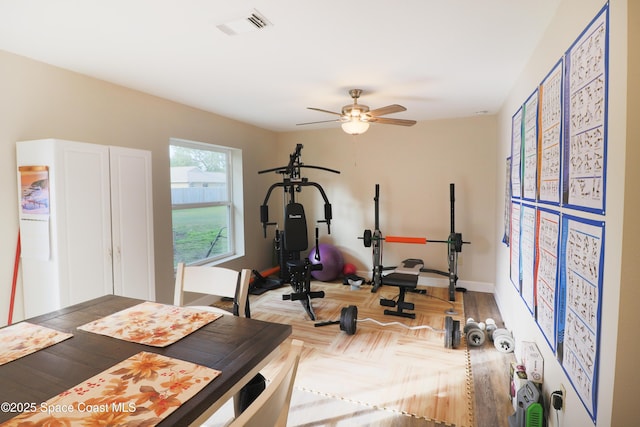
<point>527,254</point>
<point>507,204</point>
<point>585,118</point>
<point>581,265</point>
<point>516,154</point>
<point>514,247</point>
<point>530,148</point>
<point>550,136</point>
<point>546,272</point>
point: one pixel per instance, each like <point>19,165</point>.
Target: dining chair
<point>271,407</point>
<point>215,281</point>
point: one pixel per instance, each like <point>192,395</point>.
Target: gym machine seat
<point>406,279</point>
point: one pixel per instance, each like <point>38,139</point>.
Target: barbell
<point>349,318</point>
<point>454,238</point>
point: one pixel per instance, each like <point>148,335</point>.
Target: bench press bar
<point>455,240</point>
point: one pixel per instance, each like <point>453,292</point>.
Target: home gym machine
<point>293,239</point>
<point>406,277</point>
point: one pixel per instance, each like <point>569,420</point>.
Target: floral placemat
<point>139,391</point>
<point>21,339</point>
<point>151,323</point>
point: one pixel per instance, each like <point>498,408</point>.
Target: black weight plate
<point>367,238</point>
<point>448,332</point>
<point>456,334</point>
<point>348,319</point>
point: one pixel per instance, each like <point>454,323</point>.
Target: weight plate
<point>348,319</point>
<point>470,325</point>
<point>475,337</point>
<point>367,238</point>
<point>503,343</point>
<point>448,332</point>
<point>456,334</point>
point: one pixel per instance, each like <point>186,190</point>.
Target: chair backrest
<point>218,281</point>
<point>271,407</point>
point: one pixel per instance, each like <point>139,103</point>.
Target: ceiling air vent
<point>253,21</point>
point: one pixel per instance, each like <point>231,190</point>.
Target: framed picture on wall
<point>34,191</point>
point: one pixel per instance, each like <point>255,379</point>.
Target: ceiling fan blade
<point>387,121</point>
<point>324,111</point>
<point>389,109</point>
<point>321,121</point>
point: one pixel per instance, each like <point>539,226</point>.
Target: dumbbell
<point>474,332</point>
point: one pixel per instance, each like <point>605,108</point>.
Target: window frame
<point>233,202</point>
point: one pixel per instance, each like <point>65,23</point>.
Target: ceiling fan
<point>355,118</point>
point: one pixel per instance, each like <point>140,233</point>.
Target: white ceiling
<point>438,58</point>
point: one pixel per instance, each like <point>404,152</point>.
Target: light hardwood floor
<point>490,380</point>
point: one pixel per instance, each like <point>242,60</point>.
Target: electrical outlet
<point>564,396</point>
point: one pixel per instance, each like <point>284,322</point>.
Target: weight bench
<point>405,278</point>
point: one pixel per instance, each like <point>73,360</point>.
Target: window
<point>206,200</point>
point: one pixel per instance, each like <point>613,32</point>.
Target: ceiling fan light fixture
<point>355,126</point>
<point>355,117</point>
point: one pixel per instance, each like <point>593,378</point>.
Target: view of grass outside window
<point>202,202</point>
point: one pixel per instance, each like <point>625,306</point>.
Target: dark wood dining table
<point>238,347</point>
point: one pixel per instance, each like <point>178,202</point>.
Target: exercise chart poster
<point>550,136</point>
<point>585,116</point>
<point>581,265</point>
<point>530,148</point>
<point>516,154</point>
<point>514,248</point>
<point>527,254</point>
<point>507,204</point>
<point>546,272</point>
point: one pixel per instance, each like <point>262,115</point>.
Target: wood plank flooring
<point>490,368</point>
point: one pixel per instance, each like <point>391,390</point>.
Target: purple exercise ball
<point>331,260</point>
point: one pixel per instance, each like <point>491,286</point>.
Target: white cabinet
<point>96,237</point>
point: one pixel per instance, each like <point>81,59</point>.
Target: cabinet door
<point>132,223</point>
<point>84,228</point>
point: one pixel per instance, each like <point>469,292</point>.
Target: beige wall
<point>414,167</point>
<point>40,101</point>
<point>617,345</point>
